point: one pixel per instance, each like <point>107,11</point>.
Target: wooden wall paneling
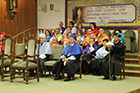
<point>24,19</point>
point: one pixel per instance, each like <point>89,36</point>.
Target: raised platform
<point>132,67</point>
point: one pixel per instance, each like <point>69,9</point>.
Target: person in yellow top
<point>58,35</point>
<point>101,36</point>
<point>90,35</point>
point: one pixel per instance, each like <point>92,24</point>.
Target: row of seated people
<point>94,59</point>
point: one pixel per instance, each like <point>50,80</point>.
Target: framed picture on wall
<point>51,7</point>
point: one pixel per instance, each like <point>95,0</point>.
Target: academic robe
<point>73,53</point>
<point>102,37</point>
<point>48,38</point>
<point>2,46</point>
<point>44,49</point>
<point>96,62</point>
<point>86,40</point>
<point>95,31</point>
<point>117,52</point>
<point>86,60</point>
<point>66,36</point>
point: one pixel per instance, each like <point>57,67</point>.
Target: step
<point>132,65</point>
<point>131,54</point>
<point>131,71</point>
<point>131,59</point>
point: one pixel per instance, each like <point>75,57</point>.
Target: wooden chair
<point>28,62</point>
<point>123,65</point>
<point>80,68</point>
<point>6,57</point>
<point>57,49</point>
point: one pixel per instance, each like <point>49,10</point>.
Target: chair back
<point>108,32</point>
<point>31,45</point>
<point>57,49</point>
<point>8,45</point>
<point>19,48</point>
<point>129,33</point>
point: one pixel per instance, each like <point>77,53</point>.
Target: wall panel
<point>24,19</point>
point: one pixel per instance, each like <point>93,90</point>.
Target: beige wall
<point>50,19</point>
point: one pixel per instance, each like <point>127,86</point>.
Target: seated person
<point>58,35</point>
<point>101,36</point>
<point>67,36</point>
<point>122,36</point>
<point>116,53</point>
<point>90,35</point>
<point>101,53</point>
<point>96,62</point>
<point>48,35</point>
<point>44,52</point>
<point>79,27</point>
<point>80,36</point>
<point>88,54</point>
<point>94,29</point>
<point>71,24</point>
<point>3,35</point>
<point>54,42</point>
<point>70,59</point>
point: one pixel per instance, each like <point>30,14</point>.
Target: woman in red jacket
<point>94,28</point>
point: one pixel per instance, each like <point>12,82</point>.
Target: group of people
<point>94,53</point>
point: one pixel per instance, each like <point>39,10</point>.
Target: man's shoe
<point>114,78</point>
<point>105,78</point>
<point>86,73</point>
<point>67,79</point>
<point>58,77</point>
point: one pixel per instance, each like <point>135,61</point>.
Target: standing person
<point>94,29</point>
<point>117,52</point>
<point>48,35</point>
<point>122,35</point>
<point>71,24</point>
<point>70,58</point>
<point>88,54</point>
<point>90,35</point>
<point>79,27</point>
<point>62,29</point>
<point>44,52</point>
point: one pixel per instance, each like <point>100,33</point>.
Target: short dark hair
<point>94,24</point>
<point>105,40</point>
<point>72,22</point>
<point>69,27</point>
<point>92,38</point>
<point>48,31</point>
<point>61,22</point>
<point>58,29</point>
